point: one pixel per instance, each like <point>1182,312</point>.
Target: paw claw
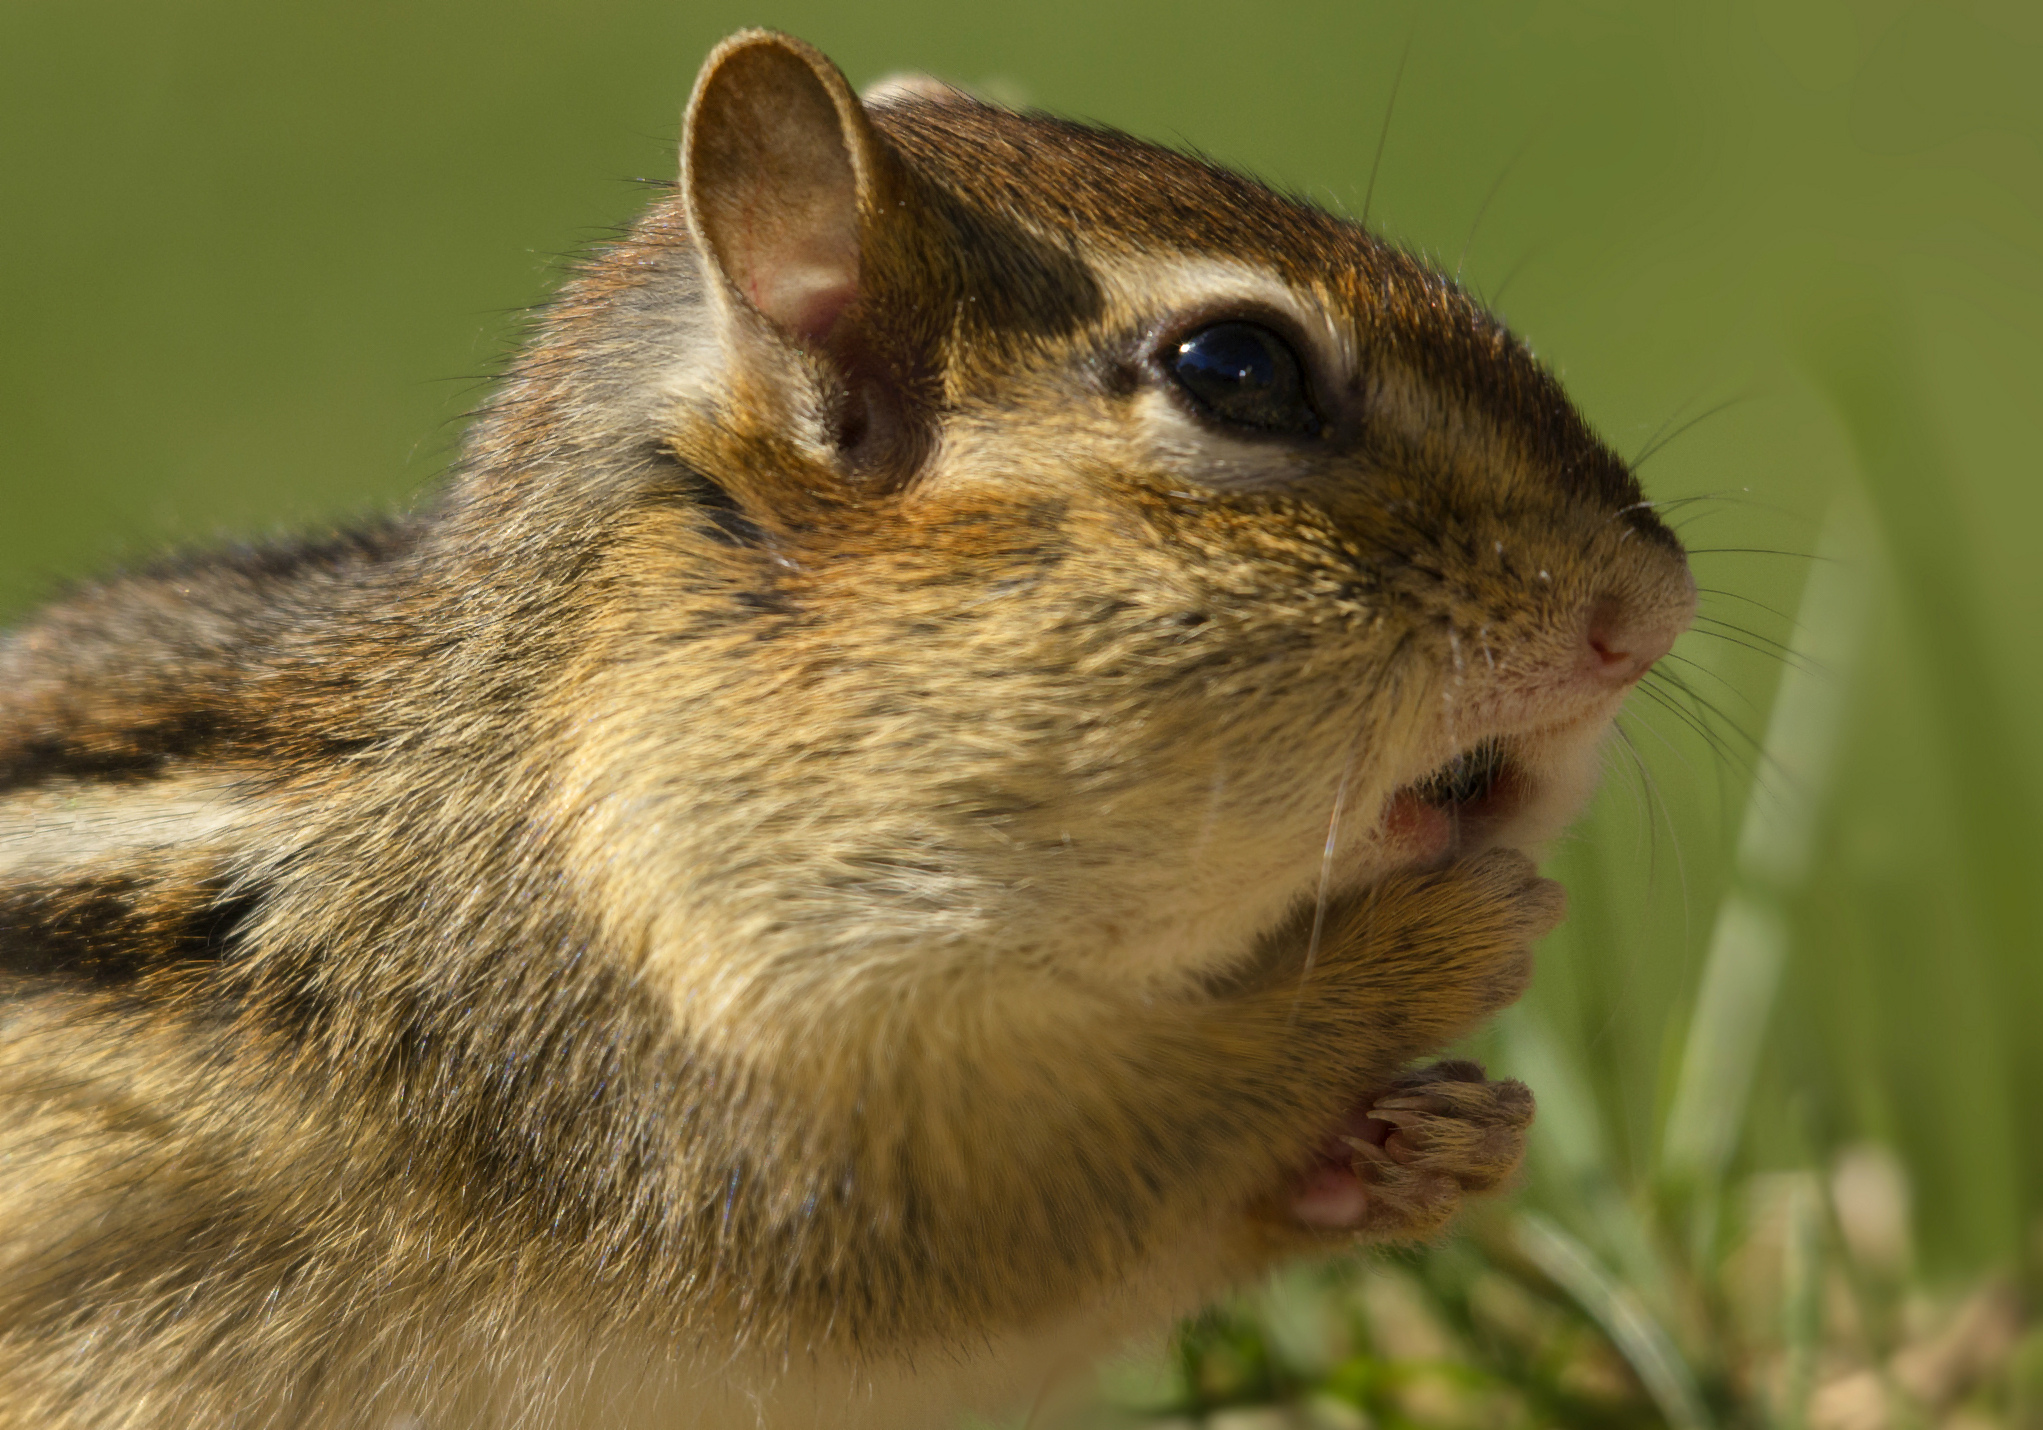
<point>1455,1133</point>
<point>1367,1151</point>
<point>1385,1106</point>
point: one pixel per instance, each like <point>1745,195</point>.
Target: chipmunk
<point>973,703</point>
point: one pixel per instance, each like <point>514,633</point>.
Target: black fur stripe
<point>142,751</point>
<point>110,928</point>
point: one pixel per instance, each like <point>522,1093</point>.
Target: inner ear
<point>772,173</point>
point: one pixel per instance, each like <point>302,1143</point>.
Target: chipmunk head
<point>1030,533</point>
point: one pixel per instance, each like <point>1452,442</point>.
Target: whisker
<point>1718,629</point>
<point>1687,719</point>
<point>1640,783</point>
<point>1383,134</point>
<point>1699,667</point>
<point>1681,716</point>
<point>1720,502</point>
<point>1744,497</point>
<point>1326,875</point>
<point>1792,623</point>
<point>1672,418</point>
<point>1631,966</point>
<point>1689,692</point>
<point>1762,766</point>
<point>1484,207</point>
<point>1694,722</point>
<point>1655,799</point>
<point>1495,298</point>
<point>1659,443</point>
<point>1755,551</point>
<point>1663,505</point>
<point>1733,495</point>
<point>1738,628</point>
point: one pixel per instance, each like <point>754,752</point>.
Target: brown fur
<point>804,880</point>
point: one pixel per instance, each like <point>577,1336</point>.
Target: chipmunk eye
<point>1245,374</point>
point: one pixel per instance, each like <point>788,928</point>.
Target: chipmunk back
<point>974,702</point>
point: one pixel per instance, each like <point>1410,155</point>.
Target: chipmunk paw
<point>1402,1162</point>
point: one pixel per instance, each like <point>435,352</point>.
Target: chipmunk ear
<point>777,159</point>
<point>787,186</point>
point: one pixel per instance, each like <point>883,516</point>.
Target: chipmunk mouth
<point>1459,807</point>
<point>1463,806</point>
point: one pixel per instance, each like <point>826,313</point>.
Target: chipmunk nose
<point>1623,639</point>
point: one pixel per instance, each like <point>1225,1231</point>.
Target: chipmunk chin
<point>1502,791</point>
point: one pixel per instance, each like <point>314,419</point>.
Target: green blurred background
<point>258,259</point>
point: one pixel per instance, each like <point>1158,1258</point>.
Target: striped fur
<point>851,857</point>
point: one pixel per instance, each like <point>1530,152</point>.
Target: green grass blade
<point>1741,974</point>
<point>1640,1339</point>
<point>1569,1149</point>
<point>1801,1300</point>
<point>1725,1037</point>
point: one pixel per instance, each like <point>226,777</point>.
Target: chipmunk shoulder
<point>974,702</point>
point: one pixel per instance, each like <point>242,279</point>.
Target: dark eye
<point>1245,374</point>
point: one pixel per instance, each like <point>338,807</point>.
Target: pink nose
<point>1624,643</point>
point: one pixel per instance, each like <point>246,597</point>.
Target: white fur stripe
<point>62,826</point>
